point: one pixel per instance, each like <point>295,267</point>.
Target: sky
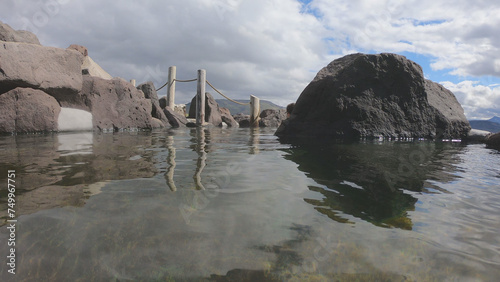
<point>273,48</point>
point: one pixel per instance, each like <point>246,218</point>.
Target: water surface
<point>222,204</point>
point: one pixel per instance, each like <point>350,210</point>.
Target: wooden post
<point>133,82</point>
<point>172,73</point>
<point>254,111</point>
<point>200,98</point>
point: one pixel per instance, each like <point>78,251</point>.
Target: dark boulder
<point>242,120</point>
<point>8,34</point>
<point>272,118</point>
<point>149,91</point>
<point>213,113</point>
<point>175,119</point>
<point>26,110</point>
<point>163,102</point>
<point>493,141</point>
<point>375,95</point>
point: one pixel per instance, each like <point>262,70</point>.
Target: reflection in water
<point>100,208</point>
<point>254,140</point>
<point>56,170</point>
<point>202,157</point>
<point>370,181</point>
<point>169,175</point>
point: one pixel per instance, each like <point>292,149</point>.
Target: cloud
<point>478,101</point>
<point>270,49</point>
<point>460,35</point>
<point>262,48</point>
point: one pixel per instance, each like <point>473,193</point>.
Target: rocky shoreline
<point>48,89</point>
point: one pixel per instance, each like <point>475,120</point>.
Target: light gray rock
<point>115,104</point>
<point>8,34</point>
<point>26,110</point>
<point>272,118</point>
<point>55,71</point>
<point>476,135</point>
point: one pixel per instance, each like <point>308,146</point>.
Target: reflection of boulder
<point>367,180</point>
<point>375,95</point>
<point>44,178</point>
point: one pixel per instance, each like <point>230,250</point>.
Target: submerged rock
<point>375,95</point>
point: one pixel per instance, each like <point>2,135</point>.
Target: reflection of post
<point>169,175</point>
<point>202,156</point>
<point>200,98</point>
<point>254,140</point>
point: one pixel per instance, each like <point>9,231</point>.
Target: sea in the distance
<point>239,205</point>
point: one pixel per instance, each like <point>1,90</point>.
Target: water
<point>238,205</point>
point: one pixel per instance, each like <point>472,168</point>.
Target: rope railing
<point>234,101</point>
<point>178,80</point>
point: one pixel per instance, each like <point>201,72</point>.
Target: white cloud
<point>264,48</point>
<point>270,49</point>
<point>478,101</point>
<point>461,35</point>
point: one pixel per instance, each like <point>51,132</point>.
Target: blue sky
<point>274,48</point>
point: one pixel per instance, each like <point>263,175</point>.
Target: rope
<point>162,87</point>
<point>244,104</point>
<point>191,80</point>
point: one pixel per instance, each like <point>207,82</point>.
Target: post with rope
<point>200,98</point>
<point>254,111</point>
<point>171,86</point>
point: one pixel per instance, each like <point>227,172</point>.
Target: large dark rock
<point>493,140</point>
<point>375,95</point>
<point>175,119</point>
<point>115,104</point>
<point>272,118</point>
<point>149,91</point>
<point>213,113</point>
<point>8,34</point>
<point>55,71</point>
<point>25,110</point>
<point>242,120</point>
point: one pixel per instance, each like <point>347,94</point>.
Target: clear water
<point>238,205</point>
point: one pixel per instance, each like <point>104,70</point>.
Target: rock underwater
<point>372,96</point>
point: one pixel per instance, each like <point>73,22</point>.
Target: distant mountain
<point>495,119</point>
<point>237,108</point>
<point>487,125</point>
